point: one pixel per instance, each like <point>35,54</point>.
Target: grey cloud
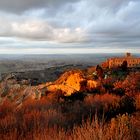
<point>124,25</point>
<point>23,5</point>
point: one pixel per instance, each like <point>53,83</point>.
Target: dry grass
<point>120,128</point>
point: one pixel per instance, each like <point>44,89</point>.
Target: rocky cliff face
<point>72,82</point>
<point>69,83</point>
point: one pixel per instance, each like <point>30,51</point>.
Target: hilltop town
<point>132,62</point>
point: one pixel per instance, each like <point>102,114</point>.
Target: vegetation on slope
<point>109,111</point>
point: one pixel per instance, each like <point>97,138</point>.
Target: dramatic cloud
<point>70,24</point>
<point>23,5</point>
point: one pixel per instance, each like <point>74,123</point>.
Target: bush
<point>131,84</point>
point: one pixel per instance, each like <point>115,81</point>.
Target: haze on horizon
<point>69,26</point>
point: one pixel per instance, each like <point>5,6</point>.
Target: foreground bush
<point>120,128</point>
<point>88,119</point>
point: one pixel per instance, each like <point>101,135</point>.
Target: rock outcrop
<point>72,82</point>
<point>69,83</point>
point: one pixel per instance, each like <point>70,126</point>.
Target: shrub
<point>131,84</point>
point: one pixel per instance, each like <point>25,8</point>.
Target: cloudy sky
<point>69,26</point>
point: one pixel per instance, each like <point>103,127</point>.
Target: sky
<point>69,26</point>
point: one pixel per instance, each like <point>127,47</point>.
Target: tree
<point>124,65</point>
<point>100,72</point>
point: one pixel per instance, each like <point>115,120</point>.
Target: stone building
<point>117,61</point>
